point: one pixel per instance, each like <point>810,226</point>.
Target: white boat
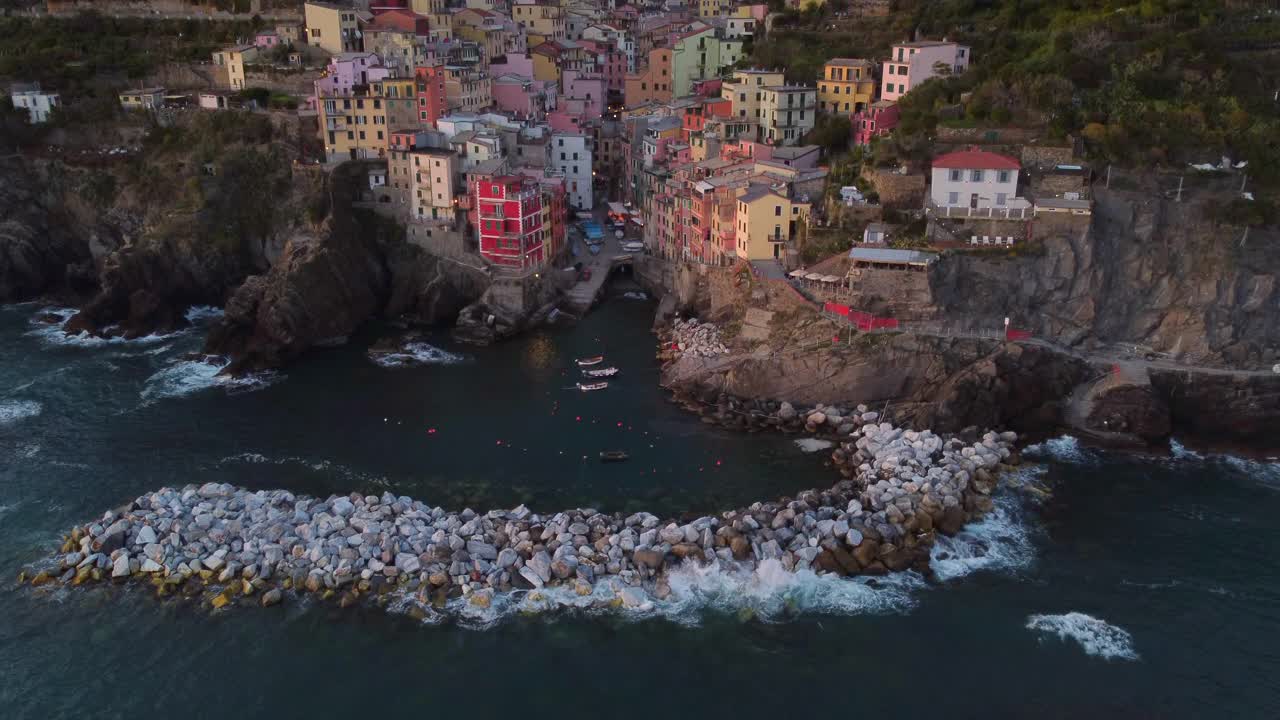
<point>588,387</point>
<point>602,372</point>
<point>588,361</point>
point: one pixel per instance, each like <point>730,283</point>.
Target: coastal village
<point>546,146</point>
<point>521,137</point>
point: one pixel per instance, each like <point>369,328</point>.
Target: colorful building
<point>787,113</point>
<point>700,55</point>
<point>653,83</point>
<point>467,88</point>
<point>571,154</point>
<point>878,120</point>
<point>229,65</point>
<point>509,221</point>
<point>766,221</point>
<point>910,64</point>
<point>431,94</point>
<point>847,86</point>
<point>332,28</point>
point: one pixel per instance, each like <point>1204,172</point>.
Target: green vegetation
<point>1146,83</point>
<point>82,53</point>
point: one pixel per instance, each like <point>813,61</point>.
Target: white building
<point>975,180</point>
<point>571,155</point>
<point>38,103</point>
<point>910,64</point>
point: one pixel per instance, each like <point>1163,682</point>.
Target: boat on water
<point>602,372</point>
<point>613,455</point>
<point>588,387</point>
<point>588,361</point>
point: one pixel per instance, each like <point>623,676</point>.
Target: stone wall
<point>898,192</point>
<point>987,136</point>
<point>1043,156</point>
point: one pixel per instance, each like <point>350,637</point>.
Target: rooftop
<point>755,192</point>
<point>892,256</point>
<point>976,159</point>
<point>925,44</point>
<point>850,62</point>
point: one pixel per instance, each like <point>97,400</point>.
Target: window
<point>977,176</point>
<point>902,88</point>
<point>955,176</point>
<point>953,198</point>
<point>1000,199</point>
<point>351,135</point>
<point>1002,176</point>
<point>777,210</point>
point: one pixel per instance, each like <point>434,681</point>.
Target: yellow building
<point>545,21</point>
<point>399,99</point>
<point>353,127</point>
<point>466,88</point>
<point>766,221</point>
<point>714,8</point>
<point>848,86</point>
<point>332,28</point>
<point>746,90</point>
<point>229,65</point>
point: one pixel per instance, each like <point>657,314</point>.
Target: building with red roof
<point>974,179</point>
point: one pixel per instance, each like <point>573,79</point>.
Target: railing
<point>1020,211</point>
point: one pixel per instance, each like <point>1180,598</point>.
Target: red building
<point>431,98</point>
<point>878,120</point>
<point>508,219</point>
<point>694,119</point>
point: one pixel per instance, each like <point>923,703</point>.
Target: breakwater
<point>225,544</point>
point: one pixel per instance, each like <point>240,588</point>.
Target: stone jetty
<point>228,545</point>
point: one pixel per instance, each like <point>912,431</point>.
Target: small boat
<point>587,361</point>
<point>603,372</point>
<point>613,455</point>
<point>588,387</point>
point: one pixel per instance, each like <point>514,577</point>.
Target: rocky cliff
<point>1147,270</point>
<point>214,211</point>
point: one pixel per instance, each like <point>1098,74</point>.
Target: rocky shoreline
<point>226,545</point>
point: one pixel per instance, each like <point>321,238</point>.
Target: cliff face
<point>1150,272</point>
<point>325,285</point>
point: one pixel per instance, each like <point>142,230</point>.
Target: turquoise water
<point>1158,572</point>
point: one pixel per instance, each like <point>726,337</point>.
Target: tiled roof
<point>976,160</point>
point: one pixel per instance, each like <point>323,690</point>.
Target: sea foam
<point>1064,449</point>
<point>11,411</point>
<point>184,377</point>
<point>1095,636</point>
<point>812,445</point>
<point>1000,541</point>
<point>416,353</point>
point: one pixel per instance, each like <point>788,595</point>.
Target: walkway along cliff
<point>1141,324</point>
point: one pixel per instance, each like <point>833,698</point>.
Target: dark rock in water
<point>648,558</point>
<point>826,562</point>
<point>847,562</point>
<point>866,552</point>
<point>951,522</point>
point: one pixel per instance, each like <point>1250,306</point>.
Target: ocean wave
<point>201,314</point>
<point>416,353</point>
<point>1065,449</point>
<point>184,377</point>
<point>769,593</point>
<point>11,411</point>
<point>54,333</point>
<point>1265,471</point>
<point>635,295</point>
<point>1095,636</point>
<point>812,445</point>
<point>999,541</point>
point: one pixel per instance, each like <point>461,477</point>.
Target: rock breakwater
<point>690,337</point>
<point>228,545</point>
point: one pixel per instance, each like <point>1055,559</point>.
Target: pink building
<point>347,70</point>
<point>523,97</point>
<point>591,89</point>
<point>570,115</point>
<point>266,39</point>
<point>513,64</point>
<point>910,64</point>
<point>876,121</point>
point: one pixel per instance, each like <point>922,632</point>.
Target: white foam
<point>1096,637</point>
<point>416,353</point>
<point>1182,452</point>
<point>1001,540</point>
<point>325,466</point>
<point>184,377</point>
<point>812,445</point>
<point>1065,449</point>
<point>768,593</point>
<point>1265,471</point>
<point>54,334</point>
<point>11,411</point>
<point>635,295</point>
<point>201,314</point>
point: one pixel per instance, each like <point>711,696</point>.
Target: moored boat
<point>588,387</point>
<point>602,372</point>
<point>613,455</point>
<point>588,361</point>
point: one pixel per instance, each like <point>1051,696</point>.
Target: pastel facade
<point>910,64</point>
<point>571,154</point>
<point>38,103</point>
<point>787,113</point>
<point>509,221</point>
<point>229,65</point>
<point>332,28</point>
<point>766,221</point>
<point>878,120</point>
<point>847,86</point>
<point>653,83</point>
